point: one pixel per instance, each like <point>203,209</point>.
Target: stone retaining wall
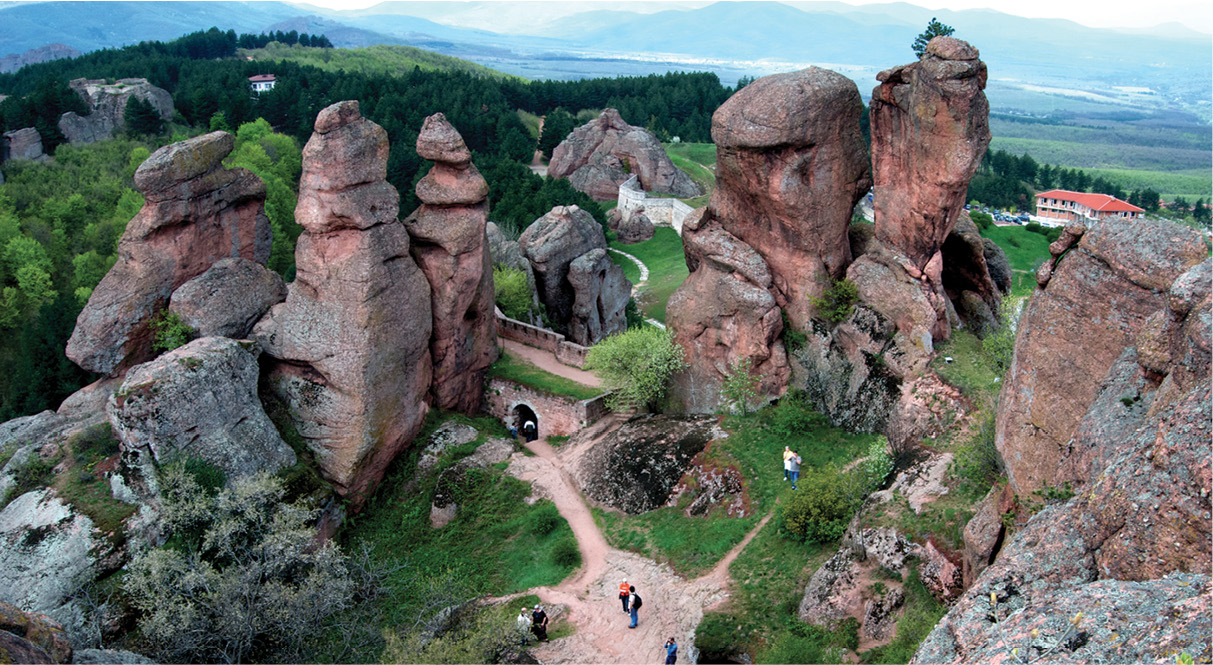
<point>558,415</point>
<point>535,337</point>
<point>660,211</point>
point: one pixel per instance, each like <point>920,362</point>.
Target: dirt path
<point>673,606</point>
<point>547,362</point>
<point>644,277</point>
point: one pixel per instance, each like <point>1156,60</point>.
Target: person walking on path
<point>529,431</point>
<point>624,592</point>
<point>523,626</point>
<point>794,467</point>
<point>634,603</point>
<point>787,462</point>
<point>539,624</point>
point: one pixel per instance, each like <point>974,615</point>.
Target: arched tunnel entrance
<point>524,414</point>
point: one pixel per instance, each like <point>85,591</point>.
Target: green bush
<point>806,643</point>
<point>819,510</point>
<point>512,293</point>
<point>170,331</point>
<point>836,302</point>
<point>545,520</point>
<point>208,476</point>
<point>977,461</point>
<point>793,339</point>
<point>793,416</point>
<point>716,640</point>
<point>983,220</point>
<point>638,365</point>
<point>565,554</point>
<point>1034,227</point>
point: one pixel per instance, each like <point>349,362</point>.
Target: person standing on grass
<point>787,462</point>
<point>634,603</point>
<point>671,652</point>
<point>523,626</point>
<point>794,466</point>
<point>624,592</point>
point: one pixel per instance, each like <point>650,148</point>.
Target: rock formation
<point>198,401</point>
<point>227,299</point>
<point>790,166</point>
<point>722,314</point>
<point>1131,551</point>
<point>451,248</point>
<point>587,304</point>
<point>14,61</point>
<point>601,154</point>
<point>508,253</point>
<point>967,279</point>
<point>107,107</point>
<point>196,212</point>
<point>1098,297</point>
<point>21,144</point>
<point>636,228</point>
<point>930,128</point>
<point>350,346</point>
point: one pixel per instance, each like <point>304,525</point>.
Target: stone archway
<point>522,412</point>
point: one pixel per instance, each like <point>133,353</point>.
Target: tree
<point>142,118</point>
<point>1200,212</point>
<point>556,126</point>
<point>741,384</point>
<point>934,29</point>
<point>513,293</point>
<point>638,365</point>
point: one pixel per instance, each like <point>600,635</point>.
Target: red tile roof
<point>1099,202</point>
<point>261,78</point>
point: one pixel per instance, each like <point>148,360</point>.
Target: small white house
<point>262,82</point>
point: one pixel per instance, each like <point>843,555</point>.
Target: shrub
<point>793,416</point>
<point>793,339</point>
<point>977,461</point>
<point>1034,227</point>
<point>836,302</point>
<point>983,220</point>
<point>545,520</point>
<point>512,293</point>
<point>741,384</point>
<point>878,465</point>
<point>819,511</point>
<point>566,554</point>
<point>170,331</point>
<point>638,365</point>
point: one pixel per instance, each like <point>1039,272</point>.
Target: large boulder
<point>551,244</point>
<point>1098,297</point>
<point>1131,551</point>
<point>196,212</point>
<point>790,166</point>
<point>723,314</point>
<point>636,467</point>
<point>601,154</point>
<point>600,298</point>
<point>106,104</point>
<point>227,299</point>
<point>930,128</point>
<point>197,401</point>
<point>451,248</point>
<point>636,228</point>
<point>350,348</point>
<point>38,632</point>
<point>48,551</point>
<point>21,144</point>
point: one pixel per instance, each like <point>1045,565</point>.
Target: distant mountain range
<point>1030,59</point>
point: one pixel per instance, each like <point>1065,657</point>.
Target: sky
<point>1195,14</point>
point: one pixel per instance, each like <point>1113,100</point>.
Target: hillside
<point>381,60</point>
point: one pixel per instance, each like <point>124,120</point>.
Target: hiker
<point>787,462</point>
<point>539,624</point>
<point>671,652</point>
<point>634,603</point>
<point>523,626</point>
<point>624,592</point>
<point>512,424</point>
<point>794,465</point>
<point>529,431</point>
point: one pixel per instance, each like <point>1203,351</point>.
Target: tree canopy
<point>638,365</point>
<point>934,29</point>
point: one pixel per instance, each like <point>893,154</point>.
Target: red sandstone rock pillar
<point>450,246</point>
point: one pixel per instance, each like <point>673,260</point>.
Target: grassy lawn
<point>1025,250</point>
<point>519,370</point>
<point>667,269</point>
<point>496,544</point>
<point>698,161</point>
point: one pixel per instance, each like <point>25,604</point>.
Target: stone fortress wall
<point>660,211</point>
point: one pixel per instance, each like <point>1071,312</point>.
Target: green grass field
<point>698,161</point>
<point>663,256</point>
<point>520,371</point>
<point>383,59</point>
<point>1105,155</point>
<point>1191,185</point>
<point>1025,250</point>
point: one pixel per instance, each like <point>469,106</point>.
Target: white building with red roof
<point>262,82</point>
<point>1063,206</point>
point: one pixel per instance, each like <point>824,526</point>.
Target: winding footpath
<point>673,606</point>
<point>644,277</point>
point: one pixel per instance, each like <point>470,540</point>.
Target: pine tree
<point>934,29</point>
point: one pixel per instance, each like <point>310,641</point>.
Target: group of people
<point>791,465</point>
<point>632,603</point>
<point>529,431</point>
<point>536,623</point>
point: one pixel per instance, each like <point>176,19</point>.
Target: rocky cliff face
<point>350,346</point>
<point>930,128</point>
<point>601,154</point>
<point>451,248</point>
<point>107,107</point>
<point>14,61</point>
<point>21,144</point>
<point>1097,298</point>
<point>196,212</point>
<point>1131,551</point>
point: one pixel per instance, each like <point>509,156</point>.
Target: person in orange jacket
<point>625,590</point>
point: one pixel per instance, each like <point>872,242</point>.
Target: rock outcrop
<point>1098,297</point>
<point>930,128</point>
<point>584,292</point>
<point>107,107</point>
<point>967,279</point>
<point>350,346</point>
<point>601,154</point>
<point>790,166</point>
<point>227,299</point>
<point>1131,551</point>
<point>636,228</point>
<point>508,253</point>
<point>14,61</point>
<point>198,401</point>
<point>21,144</point>
<point>723,314</point>
<point>38,632</point>
<point>196,212</point>
<point>451,248</point>
<point>638,465</point>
